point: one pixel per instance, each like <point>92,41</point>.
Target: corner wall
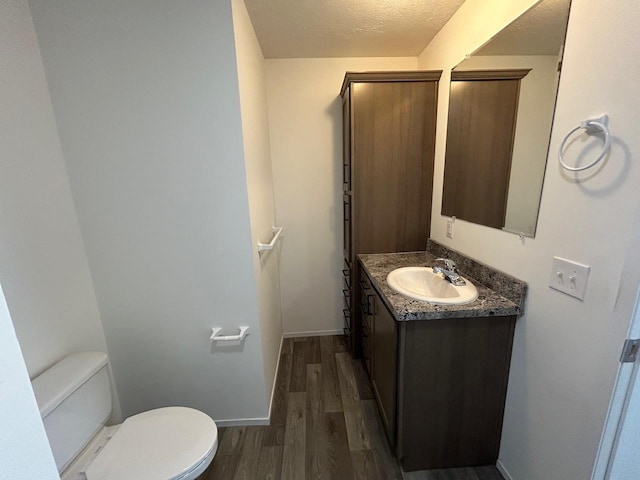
<point>25,451</point>
<point>43,265</point>
<point>565,354</point>
<point>257,155</point>
<point>305,118</point>
<point>146,100</point>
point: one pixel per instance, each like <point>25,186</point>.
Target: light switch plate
<point>569,277</point>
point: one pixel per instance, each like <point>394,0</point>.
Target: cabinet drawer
<point>366,304</point>
<point>365,295</point>
<point>365,283</point>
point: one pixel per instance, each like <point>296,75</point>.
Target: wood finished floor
<point>324,425</point>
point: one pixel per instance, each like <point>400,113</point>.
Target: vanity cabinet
<point>384,366</point>
<point>346,292</point>
<point>440,384</point>
<point>389,121</point>
<point>366,309</point>
<point>378,334</point>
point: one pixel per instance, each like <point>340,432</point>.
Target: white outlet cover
<point>450,228</point>
<point>569,277</point>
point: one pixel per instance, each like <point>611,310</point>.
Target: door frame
<point>627,309</point>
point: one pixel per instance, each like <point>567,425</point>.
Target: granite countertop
<point>488,303</point>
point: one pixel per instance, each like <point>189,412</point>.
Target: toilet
<point>74,397</point>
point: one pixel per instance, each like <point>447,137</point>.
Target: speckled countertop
<point>488,303</point>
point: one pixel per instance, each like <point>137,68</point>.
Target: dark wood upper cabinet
<point>483,107</point>
<point>388,151</point>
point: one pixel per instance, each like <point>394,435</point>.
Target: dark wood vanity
<point>440,383</point>
<point>439,373</point>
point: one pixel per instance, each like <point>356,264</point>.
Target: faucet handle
<point>449,264</point>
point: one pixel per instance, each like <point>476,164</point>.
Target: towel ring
<point>590,126</point>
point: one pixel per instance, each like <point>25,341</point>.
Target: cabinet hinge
<point>630,350</point>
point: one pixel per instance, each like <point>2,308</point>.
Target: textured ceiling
<point>540,31</point>
<point>347,28</point>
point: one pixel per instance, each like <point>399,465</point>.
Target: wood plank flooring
<point>324,425</point>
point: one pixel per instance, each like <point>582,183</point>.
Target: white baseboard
<point>503,471</point>
<point>242,422</point>
<point>275,378</point>
<point>315,333</point>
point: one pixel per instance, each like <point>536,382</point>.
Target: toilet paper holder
<point>227,338</point>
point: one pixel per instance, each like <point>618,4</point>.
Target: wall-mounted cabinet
<point>389,121</point>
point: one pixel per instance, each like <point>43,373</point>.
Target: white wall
<point>305,117</point>
<point>146,100</point>
<point>24,448</point>
<point>43,266</point>
<point>533,124</point>
<point>257,155</point>
<point>565,353</point>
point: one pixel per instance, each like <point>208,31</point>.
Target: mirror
<point>501,106</point>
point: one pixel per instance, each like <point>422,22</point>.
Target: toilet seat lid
<point>161,444</point>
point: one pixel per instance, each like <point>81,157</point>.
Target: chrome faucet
<point>450,272</point>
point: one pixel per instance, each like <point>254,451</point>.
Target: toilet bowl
<point>74,396</point>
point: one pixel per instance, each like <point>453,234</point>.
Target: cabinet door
<point>452,390</point>
<point>392,144</point>
<point>384,365</point>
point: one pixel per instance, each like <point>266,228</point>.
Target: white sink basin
<point>420,283</point>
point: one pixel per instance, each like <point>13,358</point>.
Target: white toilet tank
<point>74,397</point>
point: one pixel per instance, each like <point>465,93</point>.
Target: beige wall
<point>257,157</point>
<point>565,354</point>
<point>305,116</point>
